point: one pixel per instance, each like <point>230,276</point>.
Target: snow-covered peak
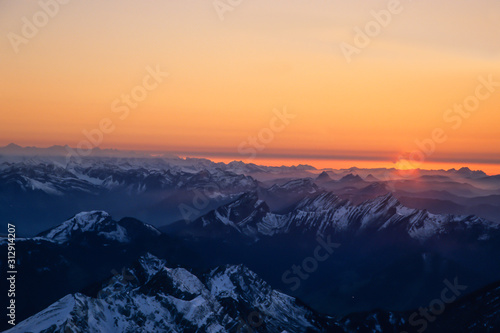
<point>327,213</point>
<point>85,222</point>
<point>151,264</point>
<point>226,281</point>
<point>176,300</point>
<point>100,225</point>
<point>240,215</point>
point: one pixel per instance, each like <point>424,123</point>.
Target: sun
<point>403,164</point>
<point>406,168</point>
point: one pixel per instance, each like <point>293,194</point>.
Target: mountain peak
<point>324,176</point>
<point>99,224</point>
<point>326,211</point>
<point>371,178</point>
<point>83,222</point>
<point>87,220</point>
<point>241,215</point>
<point>351,178</point>
<point>176,300</point>
<point>467,172</point>
<point>147,266</point>
<point>12,146</point>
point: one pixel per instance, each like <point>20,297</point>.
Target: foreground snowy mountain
<point>150,297</point>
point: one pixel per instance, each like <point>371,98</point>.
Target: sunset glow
<point>225,78</point>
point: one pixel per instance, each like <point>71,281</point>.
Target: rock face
<point>154,295</point>
<point>78,253</point>
<point>386,249</point>
<point>124,187</point>
<point>151,297</point>
<point>325,213</point>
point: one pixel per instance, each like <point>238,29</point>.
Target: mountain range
<point>152,294</point>
<point>163,190</point>
<point>351,250</point>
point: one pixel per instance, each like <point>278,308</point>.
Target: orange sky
<point>226,78</point>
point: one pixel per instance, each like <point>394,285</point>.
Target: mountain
<point>152,190</point>
<point>151,297</point>
<point>281,197</point>
<point>240,216</point>
<point>487,182</point>
<point>300,186</point>
<point>371,178</point>
<point>13,150</point>
<point>347,184</point>
<point>343,246</point>
<point>477,312</point>
<point>98,224</point>
<point>382,254</point>
<point>361,194</point>
<point>323,177</point>
<point>456,187</point>
<point>468,173</point>
<point>351,178</point>
<point>370,267</point>
<point>82,251</point>
<point>326,213</point>
<point>163,189</point>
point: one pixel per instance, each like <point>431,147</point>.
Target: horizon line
<point>306,160</point>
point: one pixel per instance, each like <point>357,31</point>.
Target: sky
<point>257,80</point>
